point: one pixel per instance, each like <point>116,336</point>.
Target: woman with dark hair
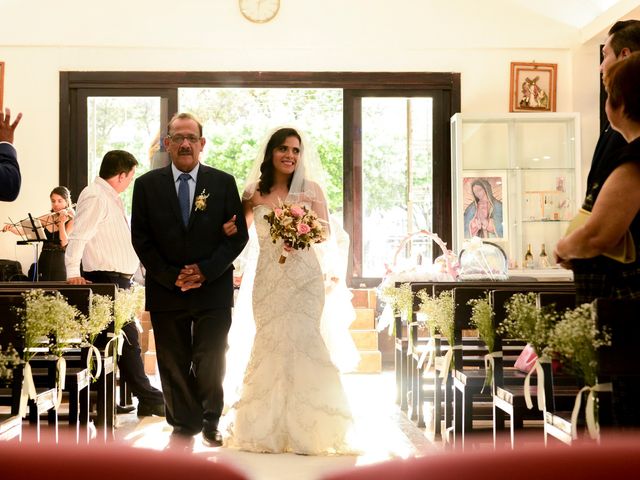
<point>590,250</point>
<point>290,382</point>
<point>57,225</point>
<point>483,216</point>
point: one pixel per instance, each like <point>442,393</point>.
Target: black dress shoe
<point>122,409</point>
<point>149,409</point>
<point>211,438</point>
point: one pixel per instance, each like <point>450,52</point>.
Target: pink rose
<point>278,212</point>
<point>297,211</point>
<point>303,229</point>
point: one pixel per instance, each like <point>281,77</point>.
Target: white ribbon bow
<point>445,366</point>
<point>542,406</point>
<point>93,350</point>
<point>119,339</point>
<point>28,390</point>
<point>489,368</point>
<point>589,410</point>
<point>61,370</point>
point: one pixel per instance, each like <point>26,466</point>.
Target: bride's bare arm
<point>319,205</point>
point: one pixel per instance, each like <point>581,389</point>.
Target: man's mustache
<point>184,151</point>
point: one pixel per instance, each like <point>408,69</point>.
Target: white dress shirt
<point>101,236</point>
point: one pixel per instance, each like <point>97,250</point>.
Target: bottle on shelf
<point>543,260</point>
<point>528,258</point>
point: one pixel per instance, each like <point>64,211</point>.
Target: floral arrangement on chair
<point>128,303</point>
<point>528,322</point>
<point>296,225</point>
<point>482,316</point>
<point>100,316</point>
<point>398,301</point>
<point>438,312</point>
<point>48,314</point>
<point>575,340</point>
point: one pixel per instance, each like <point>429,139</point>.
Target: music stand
<point>32,234</point>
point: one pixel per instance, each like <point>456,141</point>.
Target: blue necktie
<point>183,197</point>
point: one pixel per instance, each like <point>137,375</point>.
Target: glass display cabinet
<point>516,183</point>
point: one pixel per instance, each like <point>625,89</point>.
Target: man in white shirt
<point>101,241</point>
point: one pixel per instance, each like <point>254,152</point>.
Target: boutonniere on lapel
<point>201,201</point>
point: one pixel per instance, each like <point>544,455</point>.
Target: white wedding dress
<point>292,398</point>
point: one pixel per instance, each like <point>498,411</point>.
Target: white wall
<point>477,39</point>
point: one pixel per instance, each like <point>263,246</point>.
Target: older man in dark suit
<point>176,226</point>
<point>10,179</point>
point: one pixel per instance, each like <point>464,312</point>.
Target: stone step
<point>370,362</point>
<point>150,363</point>
<point>363,298</point>
<point>365,319</point>
<point>365,339</point>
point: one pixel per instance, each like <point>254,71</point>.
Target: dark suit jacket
<point>10,178</point>
<point>164,245</point>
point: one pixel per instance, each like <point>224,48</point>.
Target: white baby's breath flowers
<point>99,318</point>
<point>47,314</point>
<point>526,321</point>
<point>439,312</point>
<point>575,340</point>
<point>128,304</point>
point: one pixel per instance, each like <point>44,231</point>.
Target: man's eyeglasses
<point>178,139</point>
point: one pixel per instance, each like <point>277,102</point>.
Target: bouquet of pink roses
<point>298,226</point>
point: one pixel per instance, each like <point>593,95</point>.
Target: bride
<point>292,398</point>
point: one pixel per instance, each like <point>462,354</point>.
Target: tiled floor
<point>384,433</point>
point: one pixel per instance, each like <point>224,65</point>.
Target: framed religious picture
<point>483,205</point>
<point>533,87</point>
<point>1,83</point>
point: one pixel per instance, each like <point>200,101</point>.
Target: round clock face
<point>259,11</point>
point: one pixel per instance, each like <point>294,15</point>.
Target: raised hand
<point>6,127</point>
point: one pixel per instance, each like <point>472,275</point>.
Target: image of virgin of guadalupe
<point>483,215</point>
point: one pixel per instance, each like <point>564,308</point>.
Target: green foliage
<point>439,312</point>
<point>482,318</point>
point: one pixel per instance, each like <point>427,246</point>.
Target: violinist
<point>57,224</point>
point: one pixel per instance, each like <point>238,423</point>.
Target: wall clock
<point>259,11</point>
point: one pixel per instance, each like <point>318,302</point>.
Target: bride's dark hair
<point>266,168</point>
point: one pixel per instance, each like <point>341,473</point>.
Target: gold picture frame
<point>533,87</point>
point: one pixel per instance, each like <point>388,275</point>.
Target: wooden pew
<point>46,397</point>
<point>617,410</point>
<point>105,385</point>
<point>77,377</point>
<point>509,399</point>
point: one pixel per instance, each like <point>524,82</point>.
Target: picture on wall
<point>483,206</point>
<point>533,87</point>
